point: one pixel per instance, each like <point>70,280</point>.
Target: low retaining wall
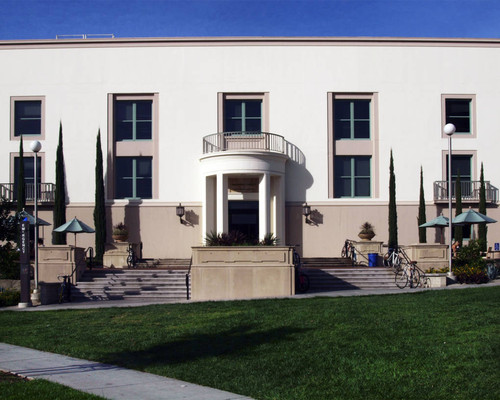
<point>60,260</point>
<point>240,272</point>
<point>428,256</point>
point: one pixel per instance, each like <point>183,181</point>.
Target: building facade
<point>243,131</point>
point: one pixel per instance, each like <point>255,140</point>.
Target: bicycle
<point>410,275</point>
<point>131,258</point>
<point>349,251</point>
<point>302,283</point>
<point>393,259</point>
<point>64,293</point>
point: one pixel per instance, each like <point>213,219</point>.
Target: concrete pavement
<point>105,380</point>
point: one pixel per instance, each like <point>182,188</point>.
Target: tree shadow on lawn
<point>233,343</point>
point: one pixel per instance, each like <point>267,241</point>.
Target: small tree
<point>459,236</point>
<point>482,229</point>
<point>21,188</point>
<point>393,216</point>
<point>60,193</point>
<point>422,232</point>
<point>100,205</point>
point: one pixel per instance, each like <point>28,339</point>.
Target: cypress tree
<point>393,216</point>
<point>100,205</point>
<point>459,236</point>
<point>482,229</point>
<point>21,188</point>
<point>60,193</point>
<point>422,232</point>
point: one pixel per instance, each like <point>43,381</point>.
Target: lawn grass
<point>428,345</point>
<point>14,388</point>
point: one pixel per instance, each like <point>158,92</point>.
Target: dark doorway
<point>244,217</point>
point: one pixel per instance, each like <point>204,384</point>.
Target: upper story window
<point>27,116</point>
<point>243,112</point>
<point>243,116</point>
<point>459,110</point>
<point>134,177</point>
<point>133,120</point>
<point>352,118</point>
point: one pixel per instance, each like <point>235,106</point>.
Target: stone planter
<point>242,272</point>
<point>120,238</point>
<point>428,255</point>
<point>366,236</point>
<point>436,280</point>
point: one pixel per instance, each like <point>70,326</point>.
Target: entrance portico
<point>244,190</point>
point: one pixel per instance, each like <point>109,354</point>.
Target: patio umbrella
<point>74,226</point>
<point>472,217</point>
<point>439,222</point>
<point>31,219</point>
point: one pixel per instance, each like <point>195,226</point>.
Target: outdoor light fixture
<point>449,130</point>
<point>36,146</point>
<point>179,211</point>
<point>306,211</point>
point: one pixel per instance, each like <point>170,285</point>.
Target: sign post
<point>24,259</point>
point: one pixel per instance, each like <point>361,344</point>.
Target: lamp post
<point>449,130</point>
<point>36,147</point>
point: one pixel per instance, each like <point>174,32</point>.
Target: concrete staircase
<point>140,284</point>
<point>327,274</point>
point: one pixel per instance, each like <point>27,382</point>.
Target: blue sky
<point>44,19</point>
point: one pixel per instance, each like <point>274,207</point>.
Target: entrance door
<point>244,217</point>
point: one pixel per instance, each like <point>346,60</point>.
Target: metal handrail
<point>254,140</point>
<point>188,295</point>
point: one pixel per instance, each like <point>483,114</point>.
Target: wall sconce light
<point>179,211</point>
<point>306,211</point>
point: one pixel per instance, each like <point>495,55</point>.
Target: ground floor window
<point>244,217</point>
<point>352,176</point>
<point>133,177</point>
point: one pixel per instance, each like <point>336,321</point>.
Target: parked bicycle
<point>349,251</point>
<point>131,258</point>
<point>64,293</point>
<point>393,259</point>
<point>410,275</point>
<point>302,283</point>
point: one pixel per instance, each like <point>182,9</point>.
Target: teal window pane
<point>133,120</point>
<point>352,119</point>
<point>28,118</point>
<point>243,115</point>
<point>133,177</point>
<point>352,176</point>
<point>458,113</point>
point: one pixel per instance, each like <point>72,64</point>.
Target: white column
<point>222,223</point>
<point>209,223</point>
<point>280,208</point>
<point>264,205</point>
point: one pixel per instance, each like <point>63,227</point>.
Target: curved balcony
<point>232,141</point>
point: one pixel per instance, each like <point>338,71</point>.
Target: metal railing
<point>46,192</point>
<point>244,141</point>
<point>469,189</point>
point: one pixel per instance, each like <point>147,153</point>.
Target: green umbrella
<point>439,222</point>
<point>74,226</point>
<point>472,217</point>
<point>31,219</point>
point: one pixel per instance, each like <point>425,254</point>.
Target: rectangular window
<point>133,120</point>
<point>458,112</point>
<point>352,176</point>
<point>461,163</point>
<point>242,115</point>
<point>133,177</point>
<point>29,175</point>
<point>351,118</point>
<point>27,116</point>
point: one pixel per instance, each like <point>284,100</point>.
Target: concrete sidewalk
<point>108,381</point>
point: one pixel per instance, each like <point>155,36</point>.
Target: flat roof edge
<point>248,40</point>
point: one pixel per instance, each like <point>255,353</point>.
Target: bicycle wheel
<point>401,279</point>
<point>302,283</point>
<point>343,254</point>
<point>296,259</point>
<point>415,280</point>
<point>130,261</point>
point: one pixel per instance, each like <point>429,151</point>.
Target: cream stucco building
<point>243,131</point>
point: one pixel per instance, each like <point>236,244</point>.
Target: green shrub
<point>471,273</point>
<point>9,262</point>
<point>237,238</point>
<point>9,298</point>
<point>438,270</point>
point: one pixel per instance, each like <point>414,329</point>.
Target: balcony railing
<point>470,191</point>
<point>45,193</point>
<point>225,141</point>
